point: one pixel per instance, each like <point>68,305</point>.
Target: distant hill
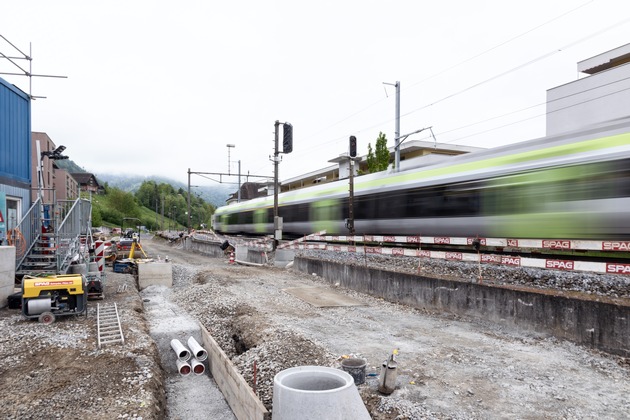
<point>215,195</point>
<point>69,166</point>
<point>130,183</point>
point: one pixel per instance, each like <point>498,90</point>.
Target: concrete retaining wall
<point>7,273</point>
<point>588,320</point>
<point>150,273</point>
<point>211,249</point>
<point>244,403</point>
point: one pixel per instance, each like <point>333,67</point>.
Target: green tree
<point>97,219</point>
<point>147,194</point>
<point>378,160</point>
<point>123,202</point>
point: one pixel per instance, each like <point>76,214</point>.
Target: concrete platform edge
<point>241,398</point>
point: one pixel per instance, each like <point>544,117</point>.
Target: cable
<point>455,66</point>
<point>535,116</point>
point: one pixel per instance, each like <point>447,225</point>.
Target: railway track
<point>594,256</point>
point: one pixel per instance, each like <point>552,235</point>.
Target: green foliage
<point>97,219</point>
<point>378,160</point>
<point>123,202</point>
<point>172,208</point>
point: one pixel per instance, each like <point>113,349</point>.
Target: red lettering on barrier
<point>422,253</point>
<point>398,251</point>
<point>336,248</point>
<point>616,246</point>
<point>512,242</point>
<point>368,238</point>
<point>559,264</point>
<point>413,239</point>
<point>482,241</point>
<point>618,268</point>
<point>453,255</point>
<point>335,238</point>
<point>442,240</point>
<point>552,244</point>
<point>389,239</point>
<point>373,250</point>
<point>515,261</point>
<point>494,259</point>
<point>352,249</point>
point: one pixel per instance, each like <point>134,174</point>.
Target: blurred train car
<point>570,186</point>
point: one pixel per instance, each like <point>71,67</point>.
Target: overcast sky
<point>157,87</point>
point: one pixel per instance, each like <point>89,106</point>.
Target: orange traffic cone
<point>232,257</point>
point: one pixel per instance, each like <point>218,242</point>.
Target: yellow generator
<point>45,298</point>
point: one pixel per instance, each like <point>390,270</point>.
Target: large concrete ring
<point>316,392</point>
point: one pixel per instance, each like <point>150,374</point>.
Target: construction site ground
<point>448,366</point>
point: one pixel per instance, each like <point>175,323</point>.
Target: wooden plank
<point>241,398</point>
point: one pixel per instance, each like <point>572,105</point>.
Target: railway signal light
<point>353,146</point>
<point>287,138</point>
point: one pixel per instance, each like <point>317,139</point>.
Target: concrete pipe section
<point>197,366</point>
<point>183,367</point>
<point>182,352</point>
<point>316,392</point>
<point>199,352</point>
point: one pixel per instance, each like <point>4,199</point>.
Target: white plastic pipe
<point>199,352</point>
<point>197,366</point>
<point>182,352</point>
<point>183,367</point>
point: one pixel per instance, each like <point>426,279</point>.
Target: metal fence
<point>73,234</point>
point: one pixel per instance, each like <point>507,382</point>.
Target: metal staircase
<point>51,237</point>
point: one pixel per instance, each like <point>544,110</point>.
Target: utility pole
<point>188,218</point>
<point>351,156</point>
<point>287,147</point>
<point>397,127</point>
<point>276,221</point>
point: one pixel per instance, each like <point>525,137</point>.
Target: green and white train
<point>570,186</point>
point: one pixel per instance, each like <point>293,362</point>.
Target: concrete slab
<point>322,298</point>
<point>193,397</point>
<point>7,273</point>
<point>154,273</point>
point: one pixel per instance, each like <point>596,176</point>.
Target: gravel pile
<point>252,343</point>
<point>616,286</point>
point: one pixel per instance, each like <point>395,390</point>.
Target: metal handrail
<point>30,228</point>
<point>75,224</point>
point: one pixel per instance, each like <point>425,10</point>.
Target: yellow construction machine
<point>46,298</point>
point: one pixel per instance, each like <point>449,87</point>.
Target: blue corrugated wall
<point>15,136</point>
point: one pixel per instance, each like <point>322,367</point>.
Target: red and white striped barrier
<point>557,264</point>
<point>311,237</point>
<point>99,253</point>
<point>555,244</point>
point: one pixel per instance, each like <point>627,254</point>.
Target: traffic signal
<point>353,146</point>
<point>287,138</point>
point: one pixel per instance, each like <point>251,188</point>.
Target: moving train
<point>570,186</point>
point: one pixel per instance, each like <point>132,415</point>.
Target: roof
<point>605,61</point>
<point>85,178</point>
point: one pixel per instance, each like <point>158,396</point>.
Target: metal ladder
<point>108,325</point>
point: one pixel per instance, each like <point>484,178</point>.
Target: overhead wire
<point>539,115</point>
<point>516,68</point>
<point>457,65</point>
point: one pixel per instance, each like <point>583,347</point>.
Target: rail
<point>25,235</point>
<point>75,224</point>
